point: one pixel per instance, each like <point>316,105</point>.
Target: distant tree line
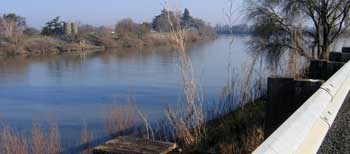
<point>14,33</point>
<point>162,22</point>
<point>235,29</point>
<point>12,25</point>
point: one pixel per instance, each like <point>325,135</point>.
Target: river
<point>78,90</point>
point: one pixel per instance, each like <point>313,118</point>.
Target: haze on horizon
<point>108,12</point>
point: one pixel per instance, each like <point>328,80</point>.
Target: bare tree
<point>6,28</point>
<point>11,24</point>
<point>306,27</point>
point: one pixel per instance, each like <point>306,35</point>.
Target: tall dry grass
<point>45,142</point>
<point>86,138</point>
<point>39,142</point>
<point>121,118</point>
<point>149,129</point>
<point>13,143</point>
<point>189,119</point>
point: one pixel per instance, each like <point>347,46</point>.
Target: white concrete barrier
<point>305,130</point>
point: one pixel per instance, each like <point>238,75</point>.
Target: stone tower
<point>75,28</point>
<point>67,28</point>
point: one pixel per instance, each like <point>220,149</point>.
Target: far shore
<point>50,45</point>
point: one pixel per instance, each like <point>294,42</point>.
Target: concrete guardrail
<point>305,130</point>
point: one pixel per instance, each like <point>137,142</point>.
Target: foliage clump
<point>305,27</point>
<point>53,27</point>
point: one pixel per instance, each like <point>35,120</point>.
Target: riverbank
<point>43,45</point>
<point>92,42</point>
<point>240,131</point>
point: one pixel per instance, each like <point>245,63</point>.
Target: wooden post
<point>339,56</point>
<point>320,69</point>
<point>345,50</point>
<point>286,95</point>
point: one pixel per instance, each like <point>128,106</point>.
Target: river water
<point>78,90</point>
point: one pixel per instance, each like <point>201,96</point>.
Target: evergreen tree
<point>53,27</point>
<point>161,22</point>
<point>186,18</point>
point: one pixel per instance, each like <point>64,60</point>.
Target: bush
<point>31,31</point>
<point>42,45</point>
<point>7,49</point>
<point>105,40</point>
<point>87,29</point>
<point>128,28</point>
<point>53,27</point>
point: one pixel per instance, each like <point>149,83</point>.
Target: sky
<point>108,12</point>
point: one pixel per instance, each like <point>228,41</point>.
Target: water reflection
<point>75,89</point>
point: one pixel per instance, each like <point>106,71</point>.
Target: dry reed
<point>45,143</point>
<point>121,118</point>
<point>12,143</point>
<point>38,143</point>
<point>86,138</point>
<point>188,121</point>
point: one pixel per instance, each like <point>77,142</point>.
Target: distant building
<point>71,28</point>
<point>75,28</point>
<point>67,28</point>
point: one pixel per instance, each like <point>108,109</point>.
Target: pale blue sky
<point>108,12</point>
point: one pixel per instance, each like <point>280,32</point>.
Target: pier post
<point>345,50</point>
<point>286,95</point>
<point>320,69</point>
<point>339,56</point>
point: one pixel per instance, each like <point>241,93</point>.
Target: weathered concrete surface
<point>337,140</point>
<point>130,145</point>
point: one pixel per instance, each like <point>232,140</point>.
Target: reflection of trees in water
<point>14,63</point>
<point>163,57</point>
<point>160,59</point>
<point>14,67</point>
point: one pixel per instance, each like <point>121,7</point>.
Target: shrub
<point>31,31</point>
<point>42,45</point>
<point>128,28</point>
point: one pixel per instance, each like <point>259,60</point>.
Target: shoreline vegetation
<point>16,38</point>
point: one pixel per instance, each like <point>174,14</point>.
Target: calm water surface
<point>81,90</point>
<point>75,89</point>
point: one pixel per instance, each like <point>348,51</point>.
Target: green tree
<point>53,27</point>
<point>306,27</point>
<point>161,23</point>
<point>186,19</point>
